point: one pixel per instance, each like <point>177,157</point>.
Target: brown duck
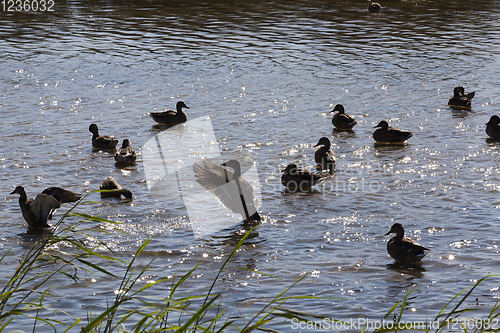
<point>493,127</point>
<point>171,117</point>
<point>116,191</point>
<point>297,180</point>
<point>460,99</point>
<point>388,134</point>
<point>38,211</point>
<point>324,156</point>
<point>404,249</point>
<point>103,142</point>
<point>342,120</point>
<point>125,155</point>
<point>373,7</point>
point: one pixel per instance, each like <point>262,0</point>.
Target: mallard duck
<point>39,210</point>
<point>460,99</point>
<point>324,156</point>
<point>170,117</point>
<point>297,180</point>
<point>125,155</point>
<point>110,184</point>
<point>404,249</point>
<point>373,7</point>
<point>238,197</point>
<point>342,120</point>
<point>388,134</point>
<point>102,142</point>
<point>493,127</point>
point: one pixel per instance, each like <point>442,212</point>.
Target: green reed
<point>28,293</point>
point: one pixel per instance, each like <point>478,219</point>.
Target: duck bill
<point>13,192</point>
<point>388,233</point>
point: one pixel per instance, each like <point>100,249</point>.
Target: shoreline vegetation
<point>28,294</point>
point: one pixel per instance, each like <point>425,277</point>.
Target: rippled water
<point>267,74</point>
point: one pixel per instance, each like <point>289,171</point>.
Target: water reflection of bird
<point>297,180</point>
<point>493,127</point>
<point>386,134</point>
<point>324,156</point>
<point>125,155</point>
<point>171,117</point>
<point>404,249</point>
<point>102,141</point>
<point>342,120</point>
<point>38,211</point>
<point>238,197</point>
<point>373,7</point>
<point>460,98</point>
<point>116,191</point>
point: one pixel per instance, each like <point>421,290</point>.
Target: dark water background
<point>267,73</point>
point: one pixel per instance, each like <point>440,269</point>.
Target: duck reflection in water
<point>234,192</point>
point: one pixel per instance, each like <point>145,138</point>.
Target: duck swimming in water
<point>493,127</point>
<point>460,99</point>
<point>341,120</point>
<point>386,134</point>
<point>125,155</point>
<point>170,117</point>
<point>373,7</point>
<point>116,191</point>
<point>102,141</point>
<point>297,180</point>
<point>404,249</point>
<point>324,156</point>
<point>38,211</point>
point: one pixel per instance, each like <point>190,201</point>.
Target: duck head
<point>383,124</point>
<point>493,120</point>
<point>339,108</point>
<point>235,165</point>
<point>19,190</point>
<point>324,141</point>
<point>458,91</point>
<point>93,129</point>
<point>181,105</point>
<point>126,143</point>
<point>290,168</point>
<point>398,229</point>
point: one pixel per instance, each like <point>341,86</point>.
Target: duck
<point>324,156</point>
<point>296,180</point>
<point>37,212</point>
<point>125,155</point>
<point>388,134</point>
<point>460,99</point>
<point>102,141</point>
<point>237,197</point>
<point>171,117</point>
<point>116,191</point>
<point>404,249</point>
<point>493,127</point>
<point>341,120</point>
<point>373,7</point>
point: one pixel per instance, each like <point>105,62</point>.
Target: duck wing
<point>61,194</point>
<point>42,209</point>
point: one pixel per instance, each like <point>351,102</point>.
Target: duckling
<point>297,180</point>
<point>373,7</point>
<point>342,120</point>
<point>170,117</point>
<point>125,155</point>
<point>404,249</point>
<point>493,127</point>
<point>324,156</point>
<point>38,211</point>
<point>102,142</point>
<point>110,184</point>
<point>388,134</point>
<point>460,99</point>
